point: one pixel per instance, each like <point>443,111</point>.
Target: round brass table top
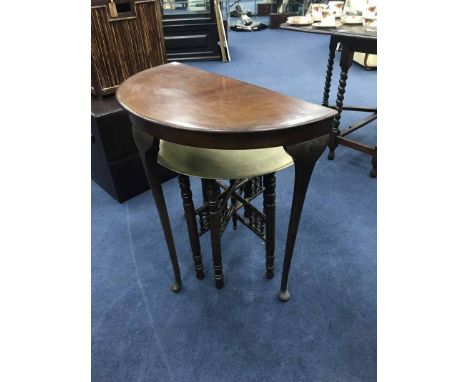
<point>222,164</point>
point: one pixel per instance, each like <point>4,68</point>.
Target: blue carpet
<point>141,331</point>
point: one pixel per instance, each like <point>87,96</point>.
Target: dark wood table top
<point>189,106</point>
<point>355,31</point>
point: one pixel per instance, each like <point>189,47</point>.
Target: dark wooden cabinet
<point>124,43</point>
<point>115,163</point>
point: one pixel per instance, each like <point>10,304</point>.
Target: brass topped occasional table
<point>250,172</point>
<point>353,38</point>
<point>187,106</point>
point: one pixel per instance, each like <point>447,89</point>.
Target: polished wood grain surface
<point>185,105</point>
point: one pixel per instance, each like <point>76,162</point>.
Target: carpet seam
<point>145,300</point>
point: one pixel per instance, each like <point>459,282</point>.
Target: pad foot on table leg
<point>331,154</point>
<point>176,287</point>
<point>270,274</point>
<point>284,295</point>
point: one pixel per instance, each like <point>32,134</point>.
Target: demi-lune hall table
<point>192,107</point>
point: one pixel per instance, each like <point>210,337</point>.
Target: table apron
<point>357,44</point>
<point>238,140</point>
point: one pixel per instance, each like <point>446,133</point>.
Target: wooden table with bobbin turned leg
<point>187,106</point>
<point>352,38</point>
<point>250,173</point>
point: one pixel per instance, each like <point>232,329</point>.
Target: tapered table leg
<point>269,196</point>
<point>148,147</point>
<point>192,227</point>
<point>328,77</point>
<point>345,63</point>
<point>305,155</point>
<point>215,229</point>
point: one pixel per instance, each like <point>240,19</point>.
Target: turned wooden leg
<point>192,227</point>
<point>215,228</point>
<point>204,190</point>
<point>345,63</point>
<point>269,182</point>
<point>148,147</point>
<point>373,171</point>
<point>305,155</point>
<point>328,77</point>
<point>233,203</point>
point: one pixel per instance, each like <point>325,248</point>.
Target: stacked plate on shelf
<point>300,20</point>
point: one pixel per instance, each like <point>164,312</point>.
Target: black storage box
<point>115,162</point>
